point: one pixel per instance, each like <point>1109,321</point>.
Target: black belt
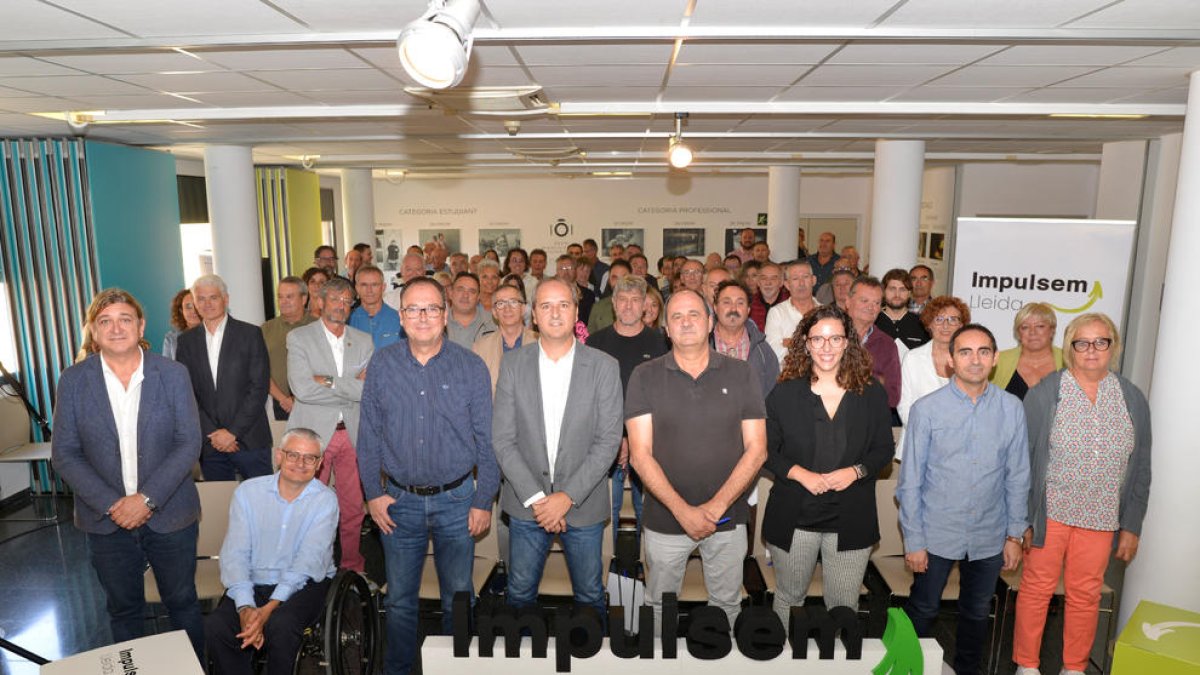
<point>430,490</point>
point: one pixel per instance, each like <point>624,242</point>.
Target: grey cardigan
<point>1041,404</point>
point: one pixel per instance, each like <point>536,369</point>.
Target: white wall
<point>1057,190</point>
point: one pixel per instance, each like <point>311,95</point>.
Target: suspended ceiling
<point>809,82</point>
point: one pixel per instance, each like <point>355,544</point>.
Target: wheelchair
<point>348,638</point>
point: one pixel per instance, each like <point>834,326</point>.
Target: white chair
<point>215,498</point>
<point>487,553</point>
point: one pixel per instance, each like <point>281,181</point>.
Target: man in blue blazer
<point>126,436</point>
<point>231,374</point>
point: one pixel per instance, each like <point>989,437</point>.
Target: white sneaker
<point>1026,670</point>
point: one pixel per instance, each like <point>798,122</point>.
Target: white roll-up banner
<point>1075,266</point>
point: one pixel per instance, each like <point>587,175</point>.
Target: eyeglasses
<point>506,304</point>
<point>1100,345</point>
<point>834,341</point>
<point>948,320</point>
<point>301,458</point>
<point>432,312</point>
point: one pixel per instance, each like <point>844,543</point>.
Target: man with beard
<point>895,319</point>
<point>738,338</point>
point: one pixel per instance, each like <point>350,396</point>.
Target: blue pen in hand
<point>724,520</point>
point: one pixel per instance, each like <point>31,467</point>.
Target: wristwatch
<point>150,504</point>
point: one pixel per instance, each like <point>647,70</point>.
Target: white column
<point>895,205</point>
<point>1122,170</point>
<point>358,207</point>
<point>1165,567</point>
<point>233,213</point>
<point>783,211</point>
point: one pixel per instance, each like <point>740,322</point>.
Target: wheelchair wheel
<point>351,627</point>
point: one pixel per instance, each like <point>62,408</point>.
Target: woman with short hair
<point>1020,369</point>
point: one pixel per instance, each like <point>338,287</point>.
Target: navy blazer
<point>86,449</point>
<point>238,401</point>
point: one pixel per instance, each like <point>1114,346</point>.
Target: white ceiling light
<point>678,153</point>
<point>435,49</point>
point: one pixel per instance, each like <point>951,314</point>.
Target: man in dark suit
<point>231,374</point>
<point>556,429</point>
<point>125,438</point>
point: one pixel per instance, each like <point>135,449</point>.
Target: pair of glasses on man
<point>1099,344</point>
<point>432,312</point>
<point>301,458</point>
<point>506,304</point>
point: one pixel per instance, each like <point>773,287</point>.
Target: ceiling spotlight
<point>678,153</point>
<point>435,49</point>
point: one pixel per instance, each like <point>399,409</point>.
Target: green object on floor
<point>904,655</point>
<point>1159,639</point>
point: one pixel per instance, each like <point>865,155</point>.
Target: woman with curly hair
<point>183,317</point>
<point>829,433</point>
<point>927,368</point>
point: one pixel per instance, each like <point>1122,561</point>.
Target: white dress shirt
<point>213,340</point>
<point>125,402</point>
<point>555,380</point>
<point>782,320</point>
<point>338,345</point>
<point>918,378</point>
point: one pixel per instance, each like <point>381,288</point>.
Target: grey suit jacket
<point>588,441</point>
<point>87,450</point>
<point>317,406</point>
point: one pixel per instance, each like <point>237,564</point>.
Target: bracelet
<point>860,470</point>
<point>1016,540</point>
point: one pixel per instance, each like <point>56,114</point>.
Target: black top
<point>908,329</point>
<point>1017,386</point>
<point>630,352</point>
<point>697,429</point>
<point>795,437</point>
<point>587,298</point>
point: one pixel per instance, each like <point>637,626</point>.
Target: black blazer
<point>238,402</point>
<point>868,425</point>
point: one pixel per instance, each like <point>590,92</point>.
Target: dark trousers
<point>228,465</point>
<point>281,635</point>
<point>120,558</point>
<point>977,585</point>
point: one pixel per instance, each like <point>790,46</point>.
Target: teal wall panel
<point>135,215</point>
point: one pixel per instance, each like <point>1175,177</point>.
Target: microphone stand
<point>36,416</point>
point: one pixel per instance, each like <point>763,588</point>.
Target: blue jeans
<point>618,498</point>
<point>444,517</point>
<point>528,546</point>
<point>977,585</point>
<point>226,465</point>
<point>120,558</point>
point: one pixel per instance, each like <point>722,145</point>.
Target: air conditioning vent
<point>501,101</point>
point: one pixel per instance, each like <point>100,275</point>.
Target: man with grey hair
<point>292,297</point>
<point>411,267</point>
<point>783,318</point>
<point>276,561</point>
<point>231,374</point>
<point>327,362</point>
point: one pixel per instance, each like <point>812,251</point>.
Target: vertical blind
<point>273,224</point>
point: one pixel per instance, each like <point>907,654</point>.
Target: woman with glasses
<point>508,309</point>
<point>829,433</point>
<point>926,369</point>
<point>1020,369</point>
<point>1089,444</point>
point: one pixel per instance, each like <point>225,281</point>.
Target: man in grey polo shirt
<point>468,322</point>
<point>697,437</point>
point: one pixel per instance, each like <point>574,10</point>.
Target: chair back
<point>891,542</point>
<point>215,498</point>
<point>765,483</point>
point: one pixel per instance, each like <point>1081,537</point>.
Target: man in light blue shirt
<point>276,562</point>
<point>963,492</point>
<point>373,315</point>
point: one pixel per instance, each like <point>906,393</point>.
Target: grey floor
<point>51,602</point>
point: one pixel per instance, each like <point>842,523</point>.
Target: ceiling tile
<point>185,83</point>
<point>601,94</point>
<point>948,54</point>
<point>876,75</point>
<point>72,85</point>
<point>1127,76</point>
<point>331,79</point>
<point>134,62</point>
<point>727,93</point>
<point>779,123</point>
<point>1009,76</point>
<point>244,99</point>
<point>735,75</point>
<point>481,77</point>
<point>753,53</point>
<point>768,13</point>
<point>145,100</point>
<point>805,92</point>
<point>595,76</point>
<point>585,54</point>
<point>547,13</point>
<point>283,59</point>
<point>1068,95</point>
<point>1177,95</point>
<point>394,96</point>
<point>211,17</point>
<point>931,93</point>
<point>990,13</point>
<point>1184,57</point>
<point>21,66</point>
<point>1067,55</point>
<point>322,15</point>
<point>36,20</point>
<point>1153,14</point>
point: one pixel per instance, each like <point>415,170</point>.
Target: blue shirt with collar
<point>964,481</point>
<point>427,424</point>
<point>384,327</point>
<point>274,542</point>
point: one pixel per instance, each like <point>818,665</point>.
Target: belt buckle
<point>425,490</point>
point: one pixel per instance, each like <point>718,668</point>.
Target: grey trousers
<point>842,571</point>
<point>722,555</point>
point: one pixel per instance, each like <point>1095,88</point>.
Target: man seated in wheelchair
<point>276,562</point>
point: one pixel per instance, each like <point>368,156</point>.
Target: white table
<point>33,452</point>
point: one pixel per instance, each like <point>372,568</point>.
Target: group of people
<point>424,399</point>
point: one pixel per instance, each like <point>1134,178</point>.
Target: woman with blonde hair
<point>652,308</point>
<point>1020,369</point>
<point>1089,448</point>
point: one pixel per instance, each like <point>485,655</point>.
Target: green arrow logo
<point>1095,295</point>
<point>904,655</point>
